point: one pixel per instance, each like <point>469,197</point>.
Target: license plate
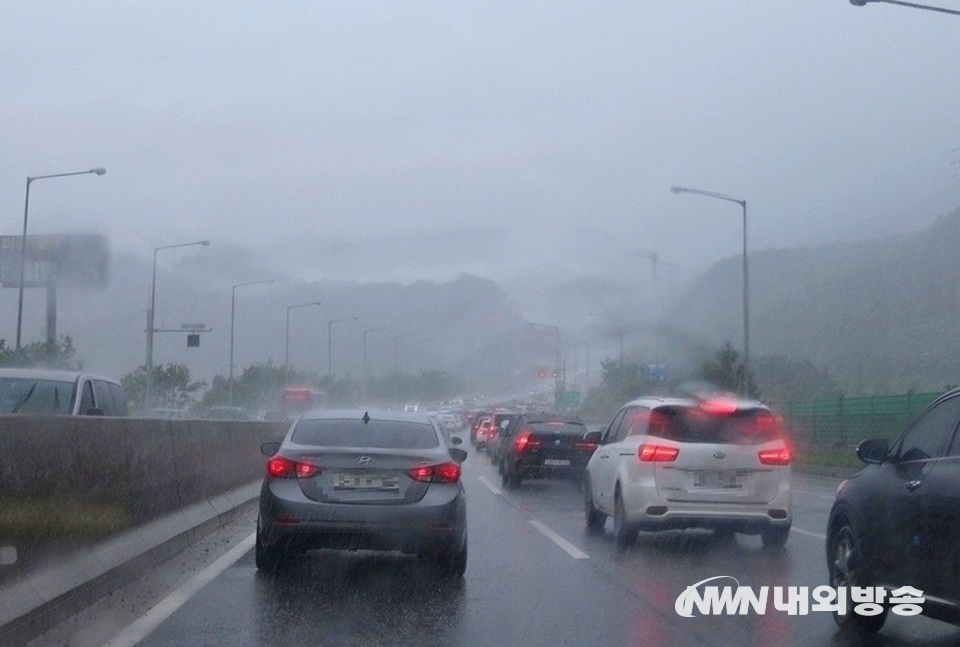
<point>556,462</point>
<point>365,482</point>
<point>722,479</point>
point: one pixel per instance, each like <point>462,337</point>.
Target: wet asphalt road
<point>534,577</point>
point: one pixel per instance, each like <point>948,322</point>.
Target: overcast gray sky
<point>514,140</point>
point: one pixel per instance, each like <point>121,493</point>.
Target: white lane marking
<point>815,535</point>
<point>490,486</point>
<point>8,555</point>
<point>565,545</point>
<point>140,629</point>
<point>829,497</point>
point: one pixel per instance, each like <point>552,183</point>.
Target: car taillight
<point>719,407</point>
<point>774,456</point>
<point>280,467</point>
<point>648,453</point>
<point>525,441</point>
<point>443,473</point>
<point>585,444</point>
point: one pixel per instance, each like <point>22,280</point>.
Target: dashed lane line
<point>140,629</point>
<point>815,535</point>
<point>490,486</point>
<point>565,545</point>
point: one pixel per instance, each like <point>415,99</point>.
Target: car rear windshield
<point>693,425</point>
<point>558,427</point>
<point>385,434</point>
<point>25,395</point>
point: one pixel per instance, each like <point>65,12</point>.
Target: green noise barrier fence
<point>841,423</point>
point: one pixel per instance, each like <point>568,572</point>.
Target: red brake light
<point>648,453</point>
<point>719,407</point>
<point>280,467</point>
<point>774,456</point>
<point>585,444</point>
<point>443,473</point>
<point>525,440</point>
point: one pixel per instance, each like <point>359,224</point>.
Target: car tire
<point>269,559</point>
<point>624,533</point>
<point>594,517</point>
<point>453,563</point>
<point>844,550</point>
<point>775,536</point>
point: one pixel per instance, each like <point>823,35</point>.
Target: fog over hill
<point>879,315</point>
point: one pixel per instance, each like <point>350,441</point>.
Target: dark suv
<point>542,446</point>
<point>895,523</point>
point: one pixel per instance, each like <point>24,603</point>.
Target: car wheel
<point>595,518</point>
<point>775,536</point>
<point>500,467</point>
<point>625,533</point>
<point>269,559</point>
<point>845,560</point>
<point>453,563</point>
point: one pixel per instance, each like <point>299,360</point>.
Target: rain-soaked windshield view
<point>532,323</point>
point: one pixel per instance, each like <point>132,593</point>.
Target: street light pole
<point>286,346</point>
<point>912,5</point>
<point>556,332</point>
<point>23,241</point>
<point>654,258</point>
<point>746,291</point>
<point>151,325</point>
<point>233,309</point>
<point>330,342</point>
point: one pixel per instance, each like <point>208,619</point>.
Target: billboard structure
<point>59,260</point>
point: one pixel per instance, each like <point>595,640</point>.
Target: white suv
<point>673,463</point>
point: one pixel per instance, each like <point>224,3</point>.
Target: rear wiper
<point>23,400</point>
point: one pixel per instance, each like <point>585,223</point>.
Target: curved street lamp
<point>233,308</point>
<point>23,241</point>
<point>151,327</point>
<point>912,5</point>
<point>286,352</point>
<point>746,291</point>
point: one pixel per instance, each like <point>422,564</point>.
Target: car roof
<point>653,402</point>
<point>375,414</point>
<point>50,374</point>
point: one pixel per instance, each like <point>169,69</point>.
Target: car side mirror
<point>458,454</point>
<point>593,436</point>
<point>269,449</point>
<point>873,451</point>
<point>456,440</point>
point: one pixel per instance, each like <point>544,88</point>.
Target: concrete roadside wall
<point>145,467</point>
<point>87,502</point>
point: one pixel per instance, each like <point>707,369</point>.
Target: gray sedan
<point>361,480</point>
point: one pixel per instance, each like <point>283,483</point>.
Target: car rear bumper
<point>749,518</point>
<point>430,524</point>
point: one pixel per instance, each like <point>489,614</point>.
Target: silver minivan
<point>55,392</point>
